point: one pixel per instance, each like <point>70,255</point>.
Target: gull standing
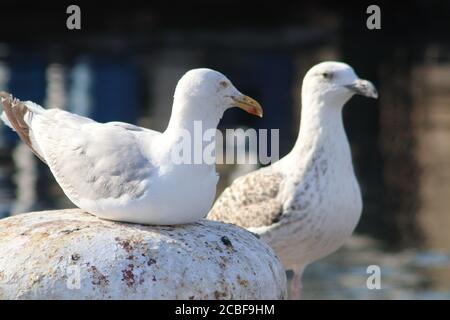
<point>308,203</point>
<point>119,171</point>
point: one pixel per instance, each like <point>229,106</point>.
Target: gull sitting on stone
<point>119,171</point>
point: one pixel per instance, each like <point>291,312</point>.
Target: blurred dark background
<point>124,63</point>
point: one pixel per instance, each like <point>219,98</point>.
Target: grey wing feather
<point>131,127</point>
<point>251,200</point>
<point>89,160</point>
<point>107,159</point>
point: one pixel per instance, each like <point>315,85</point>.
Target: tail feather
<point>17,115</point>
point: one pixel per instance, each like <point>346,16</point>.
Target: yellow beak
<point>248,104</point>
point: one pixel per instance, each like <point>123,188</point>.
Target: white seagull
<point>119,171</point>
<point>308,203</point>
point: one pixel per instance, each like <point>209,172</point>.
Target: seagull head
<point>209,91</point>
<point>337,82</point>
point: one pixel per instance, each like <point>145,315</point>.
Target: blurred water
<point>405,274</point>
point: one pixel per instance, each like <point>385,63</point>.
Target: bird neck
<point>321,128</point>
<point>186,114</point>
<point>192,128</point>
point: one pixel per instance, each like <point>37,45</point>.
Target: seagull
<point>122,172</point>
<point>308,203</point>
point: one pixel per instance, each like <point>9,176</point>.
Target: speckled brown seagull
<point>308,203</point>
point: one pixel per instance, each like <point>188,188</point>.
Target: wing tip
<point>5,97</point>
<point>5,94</point>
<point>14,111</point>
<point>8,100</point>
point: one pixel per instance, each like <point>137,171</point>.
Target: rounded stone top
<point>69,254</point>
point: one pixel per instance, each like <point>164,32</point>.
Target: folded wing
<point>89,160</point>
<point>250,201</point>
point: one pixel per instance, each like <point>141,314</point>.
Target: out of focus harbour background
<point>124,63</point>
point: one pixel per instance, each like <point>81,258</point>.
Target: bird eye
<point>224,84</point>
<point>327,75</point>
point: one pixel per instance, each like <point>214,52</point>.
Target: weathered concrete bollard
<point>69,254</point>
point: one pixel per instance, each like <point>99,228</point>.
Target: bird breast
<point>322,206</point>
